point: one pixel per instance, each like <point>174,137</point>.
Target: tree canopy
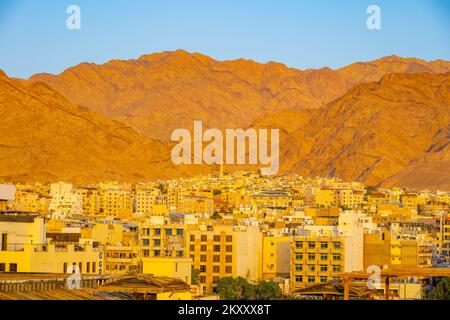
<point>239,288</point>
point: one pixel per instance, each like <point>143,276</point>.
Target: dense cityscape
<point>282,237</point>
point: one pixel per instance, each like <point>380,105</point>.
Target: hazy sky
<point>302,34</point>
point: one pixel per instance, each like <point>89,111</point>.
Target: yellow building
<point>197,205</point>
<point>107,233</point>
<point>163,237</point>
<point>145,200</point>
<point>412,200</point>
<point>324,197</point>
<point>384,251</point>
<point>91,200</point>
<point>225,250</point>
<point>116,202</point>
<point>24,248</point>
<point>377,250</point>
<point>173,267</point>
<point>444,235</point>
<point>314,258</point>
<point>276,256</point>
<point>31,201</point>
<point>349,198</point>
<point>272,199</point>
<point>121,259</point>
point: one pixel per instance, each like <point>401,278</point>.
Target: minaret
<point>221,171</point>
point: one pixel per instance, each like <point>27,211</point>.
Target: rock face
<point>393,131</point>
<point>380,122</point>
<point>160,92</point>
<point>46,138</point>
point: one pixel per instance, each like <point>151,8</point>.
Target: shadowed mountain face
<point>46,138</point>
<point>158,93</point>
<point>380,122</point>
<point>378,133</point>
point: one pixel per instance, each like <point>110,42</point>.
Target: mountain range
<point>384,122</point>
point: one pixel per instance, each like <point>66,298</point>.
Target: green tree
<point>442,290</point>
<point>216,216</point>
<point>266,290</point>
<point>195,274</point>
<point>229,288</point>
<point>239,288</point>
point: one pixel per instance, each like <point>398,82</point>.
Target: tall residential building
<point>318,252</point>
<point>219,251</point>
<point>64,200</point>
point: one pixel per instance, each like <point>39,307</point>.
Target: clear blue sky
<point>301,34</point>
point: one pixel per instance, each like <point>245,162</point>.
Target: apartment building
<point>276,256</point>
<point>317,252</point>
<point>164,236</point>
<point>25,248</point>
<point>225,250</point>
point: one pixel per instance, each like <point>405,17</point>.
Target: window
<point>179,232</point>
<point>229,238</point>
<point>157,231</point>
<point>216,248</point>
<point>216,238</point>
<point>202,268</point>
<point>323,268</point>
<point>312,267</point>
<point>202,279</point>
<point>323,256</point>
<point>4,242</point>
<point>298,278</point>
<point>298,267</point>
<point>94,267</point>
<point>13,267</point>
<point>156,242</point>
<point>323,279</point>
<point>311,245</point>
<point>157,253</point>
<point>336,257</point>
<point>323,245</point>
<point>336,268</point>
<point>215,279</point>
<point>228,258</point>
<point>88,267</point>
<point>146,253</point>
<point>229,248</point>
<point>168,232</point>
<point>298,244</point>
<point>299,256</point>
<point>311,256</point>
<point>203,247</point>
<point>192,247</point>
<point>192,237</point>
<point>228,269</point>
<point>203,258</point>
<point>203,238</point>
<point>216,258</point>
<point>145,242</point>
<point>337,245</point>
<point>216,269</point>
<point>147,232</point>
<point>2,267</point>
<point>311,279</point>
<point>65,267</point>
